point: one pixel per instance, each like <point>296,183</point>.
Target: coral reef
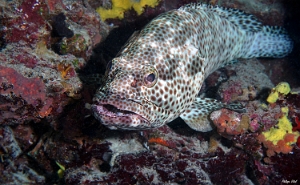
<point>282,131</point>
<point>282,136</point>
<point>269,140</point>
<point>163,164</point>
<point>35,81</point>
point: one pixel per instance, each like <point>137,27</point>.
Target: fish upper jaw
<point>121,113</point>
<point>115,118</point>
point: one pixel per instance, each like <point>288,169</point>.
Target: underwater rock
<point>36,82</point>
<point>247,83</point>
<point>15,167</point>
<point>23,99</point>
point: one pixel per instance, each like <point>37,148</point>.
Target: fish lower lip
<point>113,112</point>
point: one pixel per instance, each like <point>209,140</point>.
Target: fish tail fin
<point>270,41</point>
<point>261,41</point>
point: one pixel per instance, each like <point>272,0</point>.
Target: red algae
<point>231,92</point>
<point>54,4</point>
<point>297,126</point>
<point>32,90</point>
<point>26,27</point>
<point>28,61</point>
<point>298,142</point>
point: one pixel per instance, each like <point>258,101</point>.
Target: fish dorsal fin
<point>237,17</point>
<point>197,115</point>
<point>128,43</point>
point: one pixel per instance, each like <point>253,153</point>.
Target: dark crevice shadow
<point>292,25</point>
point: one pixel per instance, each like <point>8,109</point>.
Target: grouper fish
<point>157,75</point>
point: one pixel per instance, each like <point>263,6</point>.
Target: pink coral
<point>231,92</point>
<point>254,125</point>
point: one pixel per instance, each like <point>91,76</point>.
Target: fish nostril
<point>134,83</point>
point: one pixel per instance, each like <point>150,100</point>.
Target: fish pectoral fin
<point>237,107</point>
<point>197,115</point>
<point>230,62</point>
<point>197,120</point>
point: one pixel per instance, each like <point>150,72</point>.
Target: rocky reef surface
<point>50,49</point>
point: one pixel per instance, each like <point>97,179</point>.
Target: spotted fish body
<point>159,72</point>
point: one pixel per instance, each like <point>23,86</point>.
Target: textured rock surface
<point>37,79</point>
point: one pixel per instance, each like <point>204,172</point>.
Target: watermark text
<point>289,181</point>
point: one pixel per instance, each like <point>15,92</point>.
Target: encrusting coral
<point>282,136</point>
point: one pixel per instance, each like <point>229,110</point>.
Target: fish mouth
<point>115,118</point>
<point>113,111</point>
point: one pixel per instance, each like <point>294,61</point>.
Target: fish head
<point>133,96</point>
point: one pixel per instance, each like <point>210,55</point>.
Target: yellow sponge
<point>282,88</point>
<point>119,7</point>
<point>283,127</point>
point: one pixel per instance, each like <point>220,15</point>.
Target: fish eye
<point>150,79</point>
